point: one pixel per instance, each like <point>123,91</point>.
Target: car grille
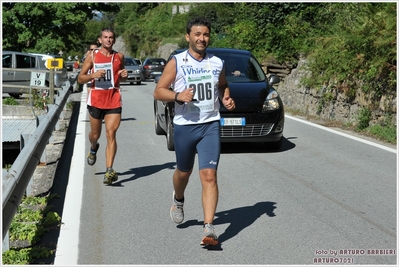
<point>246,131</point>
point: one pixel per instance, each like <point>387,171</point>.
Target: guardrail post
<point>57,125</point>
<point>25,139</point>
<point>6,239</point>
<point>51,81</point>
<point>42,118</point>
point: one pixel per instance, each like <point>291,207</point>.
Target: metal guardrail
<point>30,70</point>
<point>20,173</point>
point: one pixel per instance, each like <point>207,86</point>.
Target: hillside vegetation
<point>346,43</point>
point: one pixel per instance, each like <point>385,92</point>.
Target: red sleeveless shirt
<point>105,92</point>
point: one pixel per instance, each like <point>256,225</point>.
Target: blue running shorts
<point>203,139</point>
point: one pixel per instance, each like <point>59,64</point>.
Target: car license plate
<point>232,121</point>
<point>157,73</point>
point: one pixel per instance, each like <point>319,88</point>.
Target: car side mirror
<point>274,79</point>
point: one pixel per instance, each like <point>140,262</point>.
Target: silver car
<point>20,66</point>
<point>133,71</point>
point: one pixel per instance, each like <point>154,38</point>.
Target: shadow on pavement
<point>141,172</point>
<point>230,148</point>
<point>238,218</point>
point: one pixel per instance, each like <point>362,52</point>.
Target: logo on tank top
<point>192,71</point>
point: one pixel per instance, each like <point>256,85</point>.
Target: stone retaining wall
<point>341,108</point>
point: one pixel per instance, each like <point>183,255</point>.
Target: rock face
<point>165,50</point>
<point>120,46</point>
<point>310,101</point>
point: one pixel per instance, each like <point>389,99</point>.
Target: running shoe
<point>210,238</point>
<point>92,156</point>
<point>110,176</point>
<point>176,211</point>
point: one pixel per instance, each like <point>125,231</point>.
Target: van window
<point>7,61</point>
<point>25,62</point>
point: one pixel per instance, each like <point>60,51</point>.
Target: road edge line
<point>343,134</point>
<point>68,240</point>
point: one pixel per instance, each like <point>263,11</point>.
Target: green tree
<point>357,47</point>
<point>48,27</point>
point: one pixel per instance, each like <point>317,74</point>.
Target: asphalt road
<point>324,197</point>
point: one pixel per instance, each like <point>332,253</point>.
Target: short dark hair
<point>198,22</point>
<point>107,29</point>
<point>88,49</point>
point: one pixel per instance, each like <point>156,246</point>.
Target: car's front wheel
<point>169,134</point>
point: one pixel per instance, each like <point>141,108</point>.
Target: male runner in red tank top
<point>104,101</point>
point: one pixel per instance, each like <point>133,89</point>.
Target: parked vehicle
<point>259,112</point>
<point>133,71</point>
<point>153,67</point>
<point>25,62</point>
<point>138,61</point>
<point>69,65</point>
<point>59,78</point>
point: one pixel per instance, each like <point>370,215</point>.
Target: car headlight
<point>271,102</point>
<point>136,71</point>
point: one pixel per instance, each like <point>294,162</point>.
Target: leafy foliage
<point>25,256</point>
<point>359,46</point>
<point>10,101</point>
<point>47,27</point>
<point>33,218</point>
<point>364,118</point>
<point>385,132</point>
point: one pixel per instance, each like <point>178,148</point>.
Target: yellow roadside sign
<point>54,63</point>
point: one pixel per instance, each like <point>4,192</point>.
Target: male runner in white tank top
<point>198,81</point>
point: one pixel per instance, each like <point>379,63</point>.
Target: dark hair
<point>107,29</point>
<point>88,48</point>
<point>198,22</point>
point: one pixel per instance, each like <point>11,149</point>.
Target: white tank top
<point>203,76</point>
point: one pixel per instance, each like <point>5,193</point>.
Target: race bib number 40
<point>107,81</point>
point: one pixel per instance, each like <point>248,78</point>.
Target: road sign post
<point>52,64</point>
<point>38,79</point>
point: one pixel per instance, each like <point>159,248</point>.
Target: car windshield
<point>130,62</point>
<point>249,70</point>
